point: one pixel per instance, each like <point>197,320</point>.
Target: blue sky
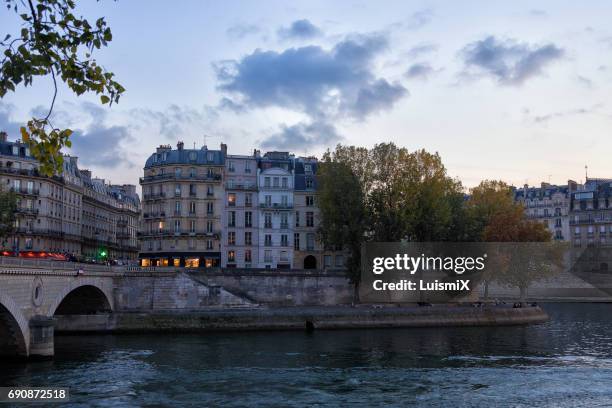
<point>517,91</point>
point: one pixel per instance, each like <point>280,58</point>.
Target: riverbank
<point>299,318</point>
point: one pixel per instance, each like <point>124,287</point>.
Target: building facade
<point>591,214</point>
<point>183,202</point>
<point>240,243</point>
<point>56,215</point>
<point>549,204</point>
<point>275,184</point>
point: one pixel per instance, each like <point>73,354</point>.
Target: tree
<point>342,212</point>
<point>54,42</point>
<point>8,206</point>
<point>525,253</point>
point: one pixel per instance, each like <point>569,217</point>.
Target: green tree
<point>342,212</point>
<point>54,42</point>
<point>8,206</point>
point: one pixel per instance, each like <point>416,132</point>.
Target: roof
<point>186,156</point>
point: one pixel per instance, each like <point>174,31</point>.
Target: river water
<point>565,362</point>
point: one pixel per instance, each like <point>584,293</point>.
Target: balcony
<point>122,223</point>
<point>25,191</point>
<point>241,186</point>
<point>27,211</point>
<point>154,196</point>
<point>180,177</point>
<point>276,206</point>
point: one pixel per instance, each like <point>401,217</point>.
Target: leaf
<point>104,99</point>
<point>25,136</point>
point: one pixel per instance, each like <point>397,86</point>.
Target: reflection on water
<point>565,362</point>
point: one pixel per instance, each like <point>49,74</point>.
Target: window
<point>210,191</point>
<point>267,220</point>
<point>284,201</point>
<point>192,226</point>
<point>209,227</point>
<point>284,240</point>
<point>231,238</point>
<point>309,201</point>
<point>267,256</point>
<point>310,219</point>
<point>248,219</point>
<point>283,256</point>
<point>284,221</point>
<point>248,199</point>
<point>177,172</point>
<point>247,167</point>
<point>192,262</point>
<point>339,261</point>
<point>230,166</point>
<point>192,208</point>
<point>177,225</point>
<point>268,200</point>
<point>308,168</point>
<point>177,208</point>
<point>231,256</point>
<point>327,261</point>
<point>28,243</point>
<point>210,156</point>
<point>192,190</point>
<point>248,238</point>
<point>193,156</point>
<point>296,241</point>
<point>231,219</point>
<point>210,208</point>
<point>285,182</point>
<point>247,255</point>
<point>177,190</point>
<point>192,244</point>
<point>268,240</point>
<point>231,199</point>
<point>266,181</point>
<point>310,242</point>
<point>309,183</point>
<point>275,182</point>
<point>209,245</point>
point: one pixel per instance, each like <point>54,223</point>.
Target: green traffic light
<point>103,253</point>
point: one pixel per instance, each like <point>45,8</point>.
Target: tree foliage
<point>8,206</point>
<point>54,42</point>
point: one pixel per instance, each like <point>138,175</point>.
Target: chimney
<point>544,185</point>
<point>180,145</point>
<point>3,136</point>
<point>224,149</point>
<point>572,186</point>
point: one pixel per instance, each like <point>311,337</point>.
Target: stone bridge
<point>32,292</point>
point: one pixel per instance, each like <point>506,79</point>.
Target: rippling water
<point>565,362</point>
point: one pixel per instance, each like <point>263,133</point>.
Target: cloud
<point>508,61</point>
<point>419,70</point>
<point>421,49</point>
<point>242,30</point>
<point>584,81</point>
<point>538,13</point>
<point>302,137</point>
<point>100,144</point>
<point>541,119</point>
<point>299,29</point>
<point>175,121</point>
<point>330,84</point>
<point>7,124</point>
<point>419,19</point>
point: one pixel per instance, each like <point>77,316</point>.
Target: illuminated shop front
<point>181,260</point>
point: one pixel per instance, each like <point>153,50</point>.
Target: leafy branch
<point>53,41</point>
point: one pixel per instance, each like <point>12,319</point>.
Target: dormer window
<point>164,156</point>
<point>193,156</point>
<point>210,156</point>
<point>308,168</point>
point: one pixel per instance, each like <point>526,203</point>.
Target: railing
<point>162,233</point>
<point>154,196</point>
<point>172,176</point>
<point>25,191</point>
<point>27,211</point>
<point>276,206</point>
<point>241,186</point>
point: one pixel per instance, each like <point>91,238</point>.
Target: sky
<point>517,91</point>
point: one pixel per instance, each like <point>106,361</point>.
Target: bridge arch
<point>85,296</point>
<point>14,331</point>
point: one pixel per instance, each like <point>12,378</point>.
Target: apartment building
<point>275,180</point>
<point>54,214</point>
<point>183,201</point>
<point>549,204</point>
<point>591,214</point>
<point>240,242</point>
